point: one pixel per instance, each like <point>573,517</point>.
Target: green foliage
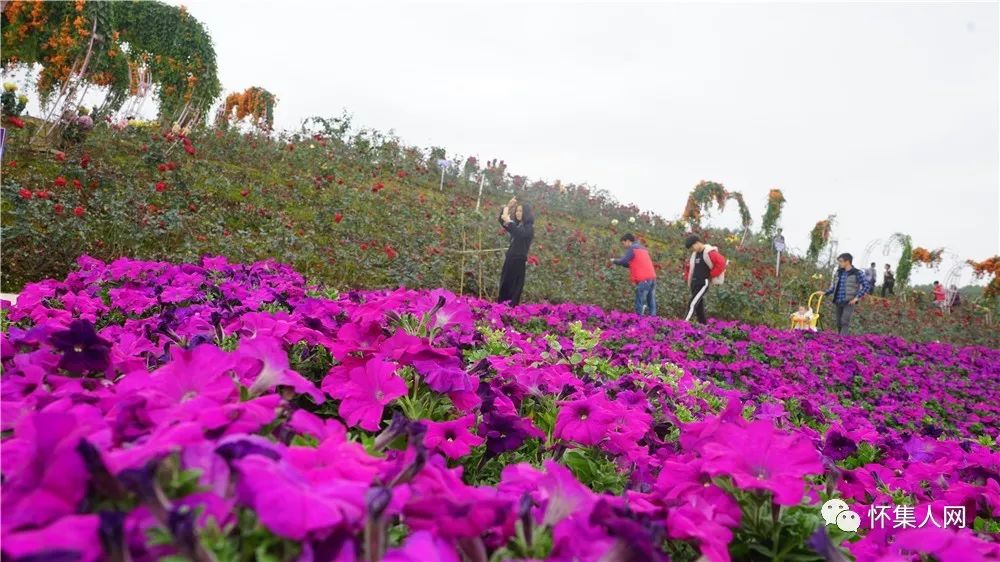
<point>866,454</point>
<point>905,260</point>
<point>595,470</point>
<point>745,219</point>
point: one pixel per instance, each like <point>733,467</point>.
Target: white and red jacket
<point>715,261</point>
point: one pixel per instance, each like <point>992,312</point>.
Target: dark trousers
<point>844,313</point>
<point>888,287</point>
<point>696,306</point>
<point>512,280</point>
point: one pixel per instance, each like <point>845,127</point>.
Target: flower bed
<point>232,412</point>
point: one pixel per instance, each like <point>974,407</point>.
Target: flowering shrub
<point>989,267</point>
<point>818,237</point>
<point>930,258</point>
<point>775,202</point>
<point>217,411</point>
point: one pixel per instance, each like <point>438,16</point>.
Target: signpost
<point>779,246</point>
<point>443,164</point>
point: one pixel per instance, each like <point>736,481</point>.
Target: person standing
<point>940,297</point>
<point>872,274</point>
<point>888,281</point>
<point>849,285</point>
<point>518,220</point>
<point>954,297</point>
<point>641,272</point>
<point>706,266</point>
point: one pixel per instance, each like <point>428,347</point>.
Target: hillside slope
<point>365,211</point>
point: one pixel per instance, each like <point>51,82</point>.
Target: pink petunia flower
<point>453,438</point>
<point>367,390</point>
<point>758,457</point>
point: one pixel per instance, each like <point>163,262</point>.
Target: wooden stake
<point>480,255</point>
<point>461,271</point>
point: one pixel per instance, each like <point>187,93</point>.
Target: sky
<point>885,114</point>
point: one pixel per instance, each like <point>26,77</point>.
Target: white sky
<point>885,114</point>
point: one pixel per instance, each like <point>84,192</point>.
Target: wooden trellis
<point>479,252</point>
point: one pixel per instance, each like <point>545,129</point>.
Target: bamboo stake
<point>480,255</point>
<point>461,271</point>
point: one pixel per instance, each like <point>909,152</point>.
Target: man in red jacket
<point>640,269</point>
<point>706,266</point>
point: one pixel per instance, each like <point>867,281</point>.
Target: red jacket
<point>640,265</point>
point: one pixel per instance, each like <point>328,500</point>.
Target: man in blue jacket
<point>848,286</point>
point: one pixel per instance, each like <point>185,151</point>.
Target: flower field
<point>218,411</point>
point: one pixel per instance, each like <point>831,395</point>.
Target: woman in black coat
<point>519,221</point>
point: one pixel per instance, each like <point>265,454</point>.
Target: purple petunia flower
<point>83,350</point>
<point>838,446</point>
<point>506,432</point>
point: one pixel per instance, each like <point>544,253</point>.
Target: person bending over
<point>641,272</point>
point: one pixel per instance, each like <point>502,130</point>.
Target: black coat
<point>521,235</point>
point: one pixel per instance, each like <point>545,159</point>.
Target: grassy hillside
<point>366,211</point>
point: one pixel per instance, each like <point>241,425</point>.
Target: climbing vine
<point>818,238</point>
<point>905,260</point>
<point>745,219</point>
<point>775,202</point>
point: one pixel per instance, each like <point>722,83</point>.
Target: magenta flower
<point>263,362</point>
<point>453,438</point>
<point>73,537</point>
<point>706,515</point>
<point>46,477</point>
<point>585,421</point>
<point>289,506</point>
<point>423,546</point>
<point>758,457</point>
<point>367,391</point>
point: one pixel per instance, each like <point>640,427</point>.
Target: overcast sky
<point>884,114</point>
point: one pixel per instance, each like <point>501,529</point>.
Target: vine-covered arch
<point>83,43</point>
<point>708,192</point>
<point>701,199</point>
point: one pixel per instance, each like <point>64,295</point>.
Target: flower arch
<point>83,43</point>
